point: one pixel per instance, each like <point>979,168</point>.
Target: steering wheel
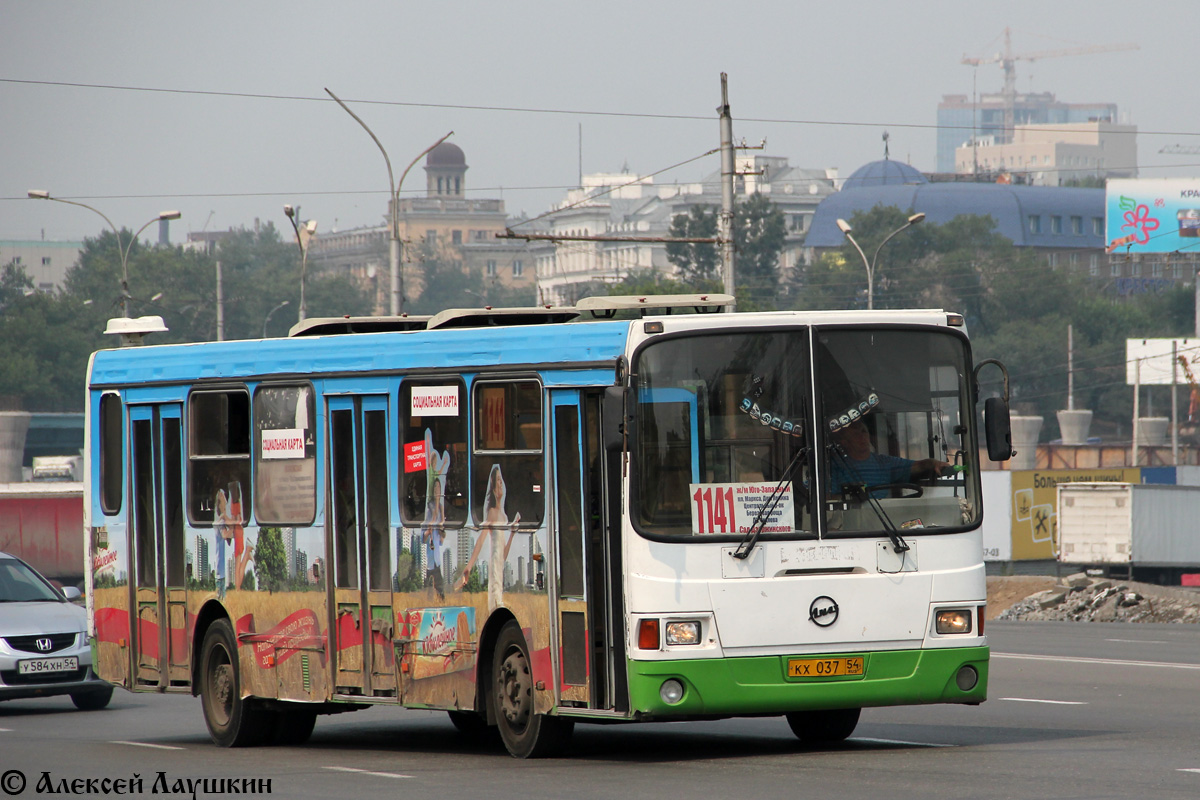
<point>915,489</point>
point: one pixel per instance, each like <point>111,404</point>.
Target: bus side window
<point>285,455</point>
<point>433,436</point>
<point>508,462</point>
<point>218,454</point>
<point>111,449</point>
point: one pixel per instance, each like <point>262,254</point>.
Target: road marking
<point>1110,661</point>
<point>5,730</point>
<point>147,744</point>
<point>1051,702</point>
<point>900,742</point>
<point>1189,769</point>
<point>368,772</point>
<point>1138,641</point>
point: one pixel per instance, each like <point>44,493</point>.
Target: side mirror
<point>71,593</point>
<point>614,419</point>
<point>997,429</point>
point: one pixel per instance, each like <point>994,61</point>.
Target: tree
<point>695,262</point>
<point>270,559</point>
<point>759,231</point>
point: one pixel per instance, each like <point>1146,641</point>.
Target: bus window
<point>285,455</point>
<point>721,433</point>
<point>218,453</point>
<point>893,405</point>
<point>433,435</point>
<point>507,465</point>
<point>110,454</point>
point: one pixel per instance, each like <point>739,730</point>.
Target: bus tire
<point>232,720</point>
<point>92,700</point>
<point>473,727</point>
<point>526,734</point>
<point>292,726</point>
<point>826,726</point>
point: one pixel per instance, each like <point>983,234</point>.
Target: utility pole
<point>220,305</point>
<point>725,223</point>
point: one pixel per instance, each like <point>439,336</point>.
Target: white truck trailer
<point>1144,530</point>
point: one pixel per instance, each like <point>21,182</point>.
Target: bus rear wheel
<point>526,734</point>
<point>232,720</point>
<point>827,726</point>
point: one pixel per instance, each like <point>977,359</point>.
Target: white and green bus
<point>533,518</point>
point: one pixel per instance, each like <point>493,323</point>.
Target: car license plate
<point>36,666</point>
<point>824,667</point>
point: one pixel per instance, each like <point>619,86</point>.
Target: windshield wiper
<point>859,492</point>
<point>760,519</point>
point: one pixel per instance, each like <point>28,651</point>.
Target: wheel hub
<point>515,690</point>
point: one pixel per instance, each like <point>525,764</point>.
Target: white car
<point>43,640</point>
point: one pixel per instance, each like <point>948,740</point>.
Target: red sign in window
<point>414,457</point>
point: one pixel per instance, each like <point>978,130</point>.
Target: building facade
<point>444,223</point>
<point>623,205</point>
<point>1053,155</point>
<point>46,263</point>
<point>959,119</point>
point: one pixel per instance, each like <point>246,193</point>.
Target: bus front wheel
<point>526,734</point>
<point>232,720</point>
<point>824,727</point>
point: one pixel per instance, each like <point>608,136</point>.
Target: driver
<point>862,466</point>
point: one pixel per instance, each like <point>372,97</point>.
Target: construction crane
<point>1008,61</point>
<point>1181,149</point>
<point>1194,402</point>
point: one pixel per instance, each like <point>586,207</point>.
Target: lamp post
<point>397,302</point>
<point>304,232</point>
<point>870,265</point>
<point>271,313</point>
<point>41,194</point>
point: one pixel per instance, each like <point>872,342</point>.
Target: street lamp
<point>272,313</point>
<point>397,304</point>
<point>304,232</point>
<point>41,194</point>
<point>870,265</point>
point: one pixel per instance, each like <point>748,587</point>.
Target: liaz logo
<point>823,611</point>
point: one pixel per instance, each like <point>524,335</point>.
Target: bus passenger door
<point>361,607</point>
<point>160,628</point>
<point>581,600</point>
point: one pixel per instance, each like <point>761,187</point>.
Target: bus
<point>633,509</point>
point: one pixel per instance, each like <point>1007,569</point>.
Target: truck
<point>1140,531</point>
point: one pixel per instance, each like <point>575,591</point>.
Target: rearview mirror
<point>614,419</point>
<point>997,429</point>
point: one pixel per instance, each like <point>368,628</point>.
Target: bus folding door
<point>583,608</point>
<point>362,619</point>
<point>161,629</point>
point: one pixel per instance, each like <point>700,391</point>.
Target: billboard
<point>1153,215</point>
<point>1155,361</point>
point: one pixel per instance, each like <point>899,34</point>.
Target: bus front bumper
<point>760,685</point>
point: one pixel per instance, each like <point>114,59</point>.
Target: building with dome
<point>444,222</point>
<point>1064,225</point>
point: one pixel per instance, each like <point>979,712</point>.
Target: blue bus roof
<point>579,345</point>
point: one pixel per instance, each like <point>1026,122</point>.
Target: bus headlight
<point>671,691</point>
<point>953,620</point>
<point>683,632</point>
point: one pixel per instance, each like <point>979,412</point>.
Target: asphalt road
<point>1075,711</point>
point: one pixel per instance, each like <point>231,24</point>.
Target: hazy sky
<point>222,111</point>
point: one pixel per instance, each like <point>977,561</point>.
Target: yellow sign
<point>1034,505</point>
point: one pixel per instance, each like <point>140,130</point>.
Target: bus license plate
<point>824,667</point>
<point>36,666</point>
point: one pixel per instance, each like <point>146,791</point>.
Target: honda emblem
<point>44,644</point>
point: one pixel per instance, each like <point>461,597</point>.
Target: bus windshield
<point>899,450</point>
<point>722,439</point>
